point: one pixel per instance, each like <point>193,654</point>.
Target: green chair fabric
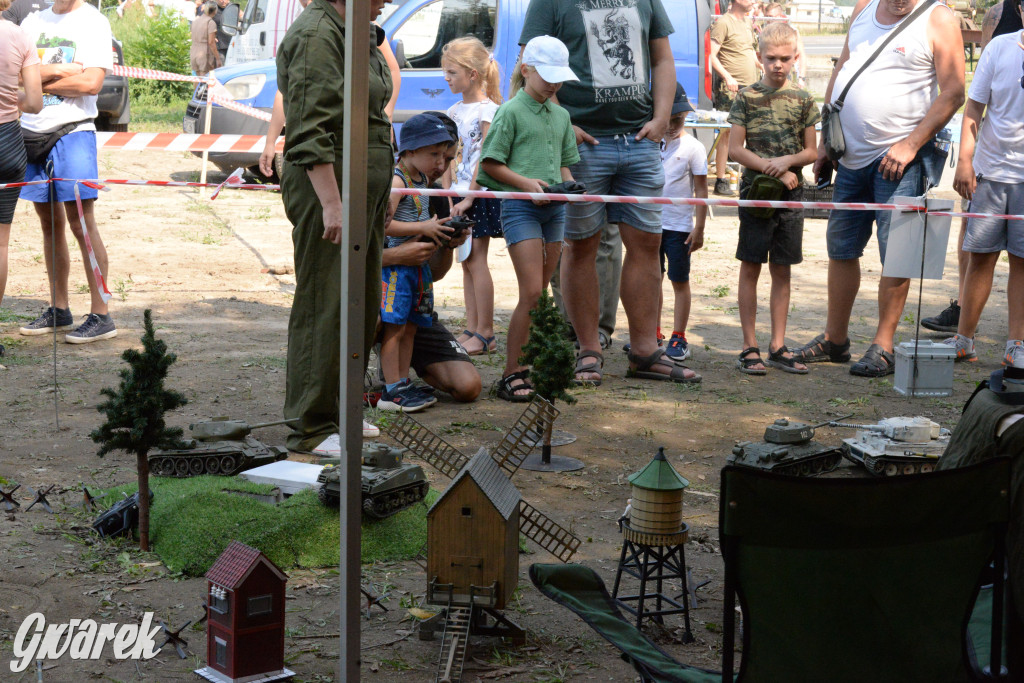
<point>859,579</point>
<point>581,590</point>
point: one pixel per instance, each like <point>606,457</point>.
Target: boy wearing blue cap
<point>407,296</point>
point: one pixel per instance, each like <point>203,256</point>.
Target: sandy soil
<point>199,266</point>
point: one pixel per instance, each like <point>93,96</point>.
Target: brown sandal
<point>677,373</point>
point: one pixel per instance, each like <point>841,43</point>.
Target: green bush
<point>161,42</point>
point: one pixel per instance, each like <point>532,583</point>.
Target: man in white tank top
<point>890,116</point>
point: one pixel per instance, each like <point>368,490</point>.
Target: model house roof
<point>236,563</point>
<point>482,469</point>
<point>659,475</point>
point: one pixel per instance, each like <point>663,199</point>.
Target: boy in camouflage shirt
<point>776,121</point>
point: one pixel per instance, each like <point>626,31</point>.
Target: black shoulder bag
<point>38,145</point>
<point>831,127</point>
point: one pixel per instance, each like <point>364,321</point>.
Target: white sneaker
<point>1014,356</point>
<point>964,347</point>
<point>329,447</point>
<point>370,431</point>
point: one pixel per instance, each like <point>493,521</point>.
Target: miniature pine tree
<point>135,413</point>
<point>551,355</point>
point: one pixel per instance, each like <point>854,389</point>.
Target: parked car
<point>417,31</point>
<point>115,110</point>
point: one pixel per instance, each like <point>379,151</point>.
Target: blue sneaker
<point>678,349</point>
<point>60,318</point>
<point>404,399</point>
<point>94,328</point>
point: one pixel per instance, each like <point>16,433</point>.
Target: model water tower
<point>657,506</point>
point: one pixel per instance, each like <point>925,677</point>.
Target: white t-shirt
<point>81,36</point>
<point>468,117</point>
<point>682,158</point>
<point>999,155</point>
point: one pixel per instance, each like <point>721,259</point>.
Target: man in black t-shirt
<point>223,39</point>
<point>20,9</point>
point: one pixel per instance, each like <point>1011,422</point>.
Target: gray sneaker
<point>94,328</point>
<point>44,323</point>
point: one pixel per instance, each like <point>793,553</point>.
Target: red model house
<point>245,629</point>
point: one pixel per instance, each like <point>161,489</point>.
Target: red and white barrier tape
<point>101,284</point>
<point>156,75</point>
<point>240,108</point>
<point>185,142</point>
<point>234,181</point>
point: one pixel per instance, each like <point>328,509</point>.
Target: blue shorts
<point>521,220</point>
<point>676,252</point>
<point>74,156</point>
<point>849,231</point>
<point>619,166</point>
<point>407,295</point>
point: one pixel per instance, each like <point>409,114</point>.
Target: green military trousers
<point>314,329</point>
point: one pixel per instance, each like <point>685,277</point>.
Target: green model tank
<point>389,484</point>
<point>788,448</point>
<point>896,445</point>
<point>217,446</point>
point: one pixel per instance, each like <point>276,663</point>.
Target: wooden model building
<point>473,533</point>
<point>245,629</point>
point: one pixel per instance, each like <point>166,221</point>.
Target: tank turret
<point>217,446</point>
<point>788,448</point>
<point>896,445</point>
<point>389,484</point>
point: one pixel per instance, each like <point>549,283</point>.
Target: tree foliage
<point>159,42</point>
<point>549,351</point>
<point>135,412</point>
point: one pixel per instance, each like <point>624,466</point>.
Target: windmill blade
<point>546,532</point>
<point>426,445</point>
<point>521,437</point>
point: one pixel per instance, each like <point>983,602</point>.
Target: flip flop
<point>676,374</point>
<point>489,344</point>
<point>593,367</point>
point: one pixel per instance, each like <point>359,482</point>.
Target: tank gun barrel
<point>851,425</point>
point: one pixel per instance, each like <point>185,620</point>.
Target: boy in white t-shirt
<point>73,40</point>
<point>686,175</point>
<point>991,176</point>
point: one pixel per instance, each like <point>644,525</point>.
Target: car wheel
<point>118,127</point>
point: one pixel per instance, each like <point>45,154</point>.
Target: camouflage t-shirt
<point>775,119</point>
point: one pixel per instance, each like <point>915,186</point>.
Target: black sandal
<point>777,359</point>
<point>749,357</point>
<point>821,350</point>
<point>513,382</point>
<point>877,362</point>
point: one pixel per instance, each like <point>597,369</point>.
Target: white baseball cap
<point>550,57</point>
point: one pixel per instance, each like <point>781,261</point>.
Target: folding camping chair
<point>838,580</point>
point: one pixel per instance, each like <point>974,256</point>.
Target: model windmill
<point>473,532</point>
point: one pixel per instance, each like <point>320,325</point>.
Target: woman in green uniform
<point>311,79</point>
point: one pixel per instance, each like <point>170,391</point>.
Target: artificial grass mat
<point>192,521</point>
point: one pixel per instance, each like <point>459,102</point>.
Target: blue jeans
<point>621,166</point>
<point>849,231</point>
<point>521,220</point>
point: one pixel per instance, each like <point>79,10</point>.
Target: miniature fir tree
<point>135,413</point>
<point>551,355</point>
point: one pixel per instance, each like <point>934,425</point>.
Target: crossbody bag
<point>831,127</point>
<point>38,145</point>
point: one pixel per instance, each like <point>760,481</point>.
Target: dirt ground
<point>200,266</point>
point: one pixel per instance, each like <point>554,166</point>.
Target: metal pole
<point>353,301</point>
<point>206,131</point>
<point>819,16</point>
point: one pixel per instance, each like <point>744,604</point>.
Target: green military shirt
<point>311,79</point>
<point>775,119</point>
<point>738,51</point>
<point>534,139</point>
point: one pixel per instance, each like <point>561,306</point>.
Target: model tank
<point>788,448</point>
<point>389,485</point>
<point>218,446</point>
<point>896,445</point>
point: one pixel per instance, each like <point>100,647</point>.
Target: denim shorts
<point>675,253</point>
<point>521,220</point>
<point>74,156</point>
<point>407,295</point>
<point>849,231</point>
<point>621,166</point>
<point>987,235</point>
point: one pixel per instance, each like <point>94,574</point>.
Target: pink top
<point>16,52</point>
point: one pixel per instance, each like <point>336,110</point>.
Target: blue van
<point>417,31</point>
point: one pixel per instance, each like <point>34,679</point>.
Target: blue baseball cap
<point>423,130</point>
